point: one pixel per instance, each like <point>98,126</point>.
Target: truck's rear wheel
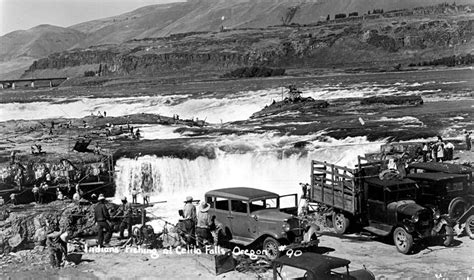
<point>470,226</point>
<point>403,240</point>
<point>271,247</point>
<point>340,222</point>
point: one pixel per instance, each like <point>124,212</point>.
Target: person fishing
<point>102,218</point>
<point>203,226</point>
<point>35,191</point>
<point>56,240</point>
<point>189,215</point>
<point>126,212</point>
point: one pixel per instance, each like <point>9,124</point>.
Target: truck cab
<point>448,187</point>
<point>442,191</point>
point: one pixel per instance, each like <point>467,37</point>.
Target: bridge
<point>32,82</point>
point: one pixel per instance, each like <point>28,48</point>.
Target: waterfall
<point>270,170</point>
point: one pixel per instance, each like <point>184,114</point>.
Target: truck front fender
<point>407,225</point>
<point>466,215</point>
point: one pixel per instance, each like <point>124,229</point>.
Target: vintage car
<point>253,216</point>
<point>312,266</point>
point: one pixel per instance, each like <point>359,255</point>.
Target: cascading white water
<point>271,170</point>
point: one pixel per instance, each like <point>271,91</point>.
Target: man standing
<point>203,225</point>
<point>35,191</point>
<point>42,192</point>
<point>102,217</point>
<point>468,140</point>
<point>449,151</point>
<point>189,214</point>
<point>440,153</point>
<point>146,198</point>
<point>13,199</point>
<point>425,152</point>
<point>76,196</point>
<point>126,212</point>
<point>134,195</point>
<point>57,245</point>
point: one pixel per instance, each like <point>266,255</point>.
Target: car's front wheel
<point>403,240</point>
<point>271,247</point>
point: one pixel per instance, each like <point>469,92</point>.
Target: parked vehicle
<point>383,207</point>
<point>248,216</point>
<point>312,266</point>
<point>448,189</point>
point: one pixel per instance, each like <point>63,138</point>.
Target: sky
<point>25,14</point>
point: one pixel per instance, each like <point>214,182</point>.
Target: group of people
<point>100,115</point>
<point>438,152</point>
<point>40,191</point>
<point>103,219</point>
<point>198,226</point>
<point>135,134</point>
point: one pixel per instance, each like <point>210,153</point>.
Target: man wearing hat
<point>101,214</point>
<point>126,211</point>
<point>56,240</point>
<point>189,215</point>
<point>203,227</point>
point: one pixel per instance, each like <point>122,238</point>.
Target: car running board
<point>242,241</point>
<point>377,231</point>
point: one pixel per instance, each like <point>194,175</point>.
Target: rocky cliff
<point>360,42</point>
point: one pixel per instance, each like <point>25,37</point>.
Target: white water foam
<point>231,107</point>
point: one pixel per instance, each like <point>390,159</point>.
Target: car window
<point>238,206</point>
<point>256,205</point>
<point>375,193</point>
<point>404,194</point>
<point>221,203</point>
<point>456,186</point>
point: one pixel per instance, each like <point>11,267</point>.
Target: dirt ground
<point>381,258</point>
<point>432,262</point>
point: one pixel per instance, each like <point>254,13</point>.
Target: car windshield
<point>340,272</point>
<point>405,192</point>
<point>290,272</point>
<point>260,204</point>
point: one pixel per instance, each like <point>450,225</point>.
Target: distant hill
<point>39,41</point>
<point>211,15</point>
<point>19,47</point>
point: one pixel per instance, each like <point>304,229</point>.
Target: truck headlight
<point>415,218</point>
<point>286,227</point>
<point>436,214</point>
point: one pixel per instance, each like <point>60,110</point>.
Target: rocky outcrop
<point>413,100</point>
<point>27,225</point>
<point>323,45</point>
<point>288,106</point>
